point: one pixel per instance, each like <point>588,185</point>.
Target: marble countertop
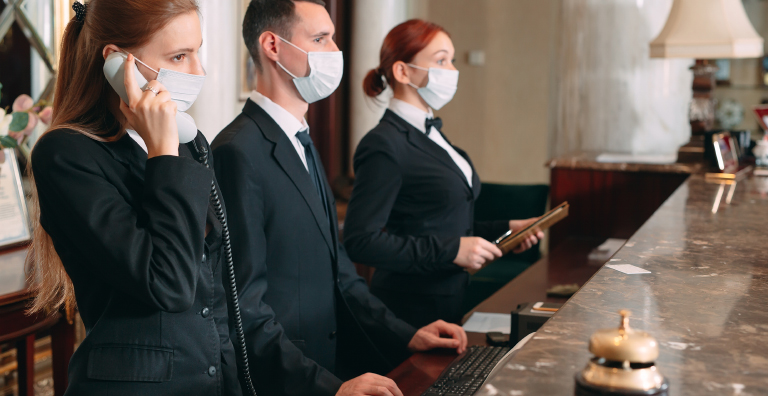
<point>588,161</point>
<point>706,300</point>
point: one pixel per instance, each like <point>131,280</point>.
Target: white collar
<point>411,114</point>
<point>138,139</point>
<point>284,119</point>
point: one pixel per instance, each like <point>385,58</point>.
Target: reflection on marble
<point>588,160</point>
<point>705,301</point>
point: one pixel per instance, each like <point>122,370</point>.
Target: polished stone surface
<point>588,161</point>
<point>706,300</point>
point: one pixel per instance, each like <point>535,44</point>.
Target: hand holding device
<point>532,239</point>
<point>474,252</point>
<point>151,112</point>
<point>118,77</point>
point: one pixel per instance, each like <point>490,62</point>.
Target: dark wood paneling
<point>25,357</point>
<point>15,64</point>
<point>19,328</point>
<point>62,348</point>
<point>608,204</point>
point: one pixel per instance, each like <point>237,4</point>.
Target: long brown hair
<point>402,43</point>
<point>85,102</point>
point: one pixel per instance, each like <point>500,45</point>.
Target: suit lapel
<point>425,144</point>
<point>475,177</point>
<point>285,155</point>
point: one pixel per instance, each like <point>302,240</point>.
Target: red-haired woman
<point>411,212</point>
<point>126,225</point>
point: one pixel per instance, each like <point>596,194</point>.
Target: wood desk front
<point>19,328</point>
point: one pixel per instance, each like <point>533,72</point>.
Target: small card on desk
<point>628,269</point>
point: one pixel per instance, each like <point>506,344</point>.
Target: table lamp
<point>703,30</point>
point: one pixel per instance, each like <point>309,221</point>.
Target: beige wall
<point>501,113</point>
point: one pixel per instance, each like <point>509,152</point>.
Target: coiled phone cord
<point>216,201</point>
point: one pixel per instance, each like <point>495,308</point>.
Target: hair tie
<point>80,10</point>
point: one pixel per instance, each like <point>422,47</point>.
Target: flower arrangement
<point>18,125</point>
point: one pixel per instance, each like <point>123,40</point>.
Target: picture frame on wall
<point>14,218</point>
<point>723,73</point>
<point>246,68</point>
<point>726,152</point>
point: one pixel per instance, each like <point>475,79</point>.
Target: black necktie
<point>313,168</point>
<point>433,122</point>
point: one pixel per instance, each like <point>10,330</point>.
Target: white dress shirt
<point>416,117</point>
<point>286,121</point>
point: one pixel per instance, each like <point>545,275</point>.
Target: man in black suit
<point>310,321</point>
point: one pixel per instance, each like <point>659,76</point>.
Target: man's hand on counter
<point>431,337</point>
<point>369,385</point>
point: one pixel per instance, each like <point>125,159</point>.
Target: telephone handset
<point>114,71</point>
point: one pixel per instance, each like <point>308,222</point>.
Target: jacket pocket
<point>140,363</point>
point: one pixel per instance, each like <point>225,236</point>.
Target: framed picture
<point>765,70</point>
<point>726,152</point>
<point>723,73</point>
<point>14,221</point>
<point>246,68</point>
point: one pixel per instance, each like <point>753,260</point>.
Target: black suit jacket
<point>410,206</point>
<point>308,317</point>
<point>131,235</point>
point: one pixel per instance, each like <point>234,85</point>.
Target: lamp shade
<point>707,29</point>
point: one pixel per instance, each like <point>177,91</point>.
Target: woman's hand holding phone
<point>152,116</point>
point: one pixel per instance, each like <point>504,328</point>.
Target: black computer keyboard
<point>467,373</point>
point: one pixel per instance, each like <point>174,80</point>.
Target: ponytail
<point>51,286</point>
<point>374,83</point>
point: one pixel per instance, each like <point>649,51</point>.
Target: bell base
<point>585,389</point>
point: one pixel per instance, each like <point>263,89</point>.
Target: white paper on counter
<point>628,269</point>
<point>483,322</point>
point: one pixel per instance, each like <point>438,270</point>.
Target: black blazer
<point>410,206</point>
<point>308,317</point>
<point>131,235</point>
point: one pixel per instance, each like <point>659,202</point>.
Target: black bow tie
<point>433,122</point>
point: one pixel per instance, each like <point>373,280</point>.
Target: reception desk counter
<point>705,300</point>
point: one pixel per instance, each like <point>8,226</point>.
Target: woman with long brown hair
<point>412,207</point>
<point>130,227</point>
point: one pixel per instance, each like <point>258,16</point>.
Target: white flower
<point>5,123</point>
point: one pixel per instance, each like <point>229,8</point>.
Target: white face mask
<point>325,72</point>
<point>441,86</point>
<point>184,88</point>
